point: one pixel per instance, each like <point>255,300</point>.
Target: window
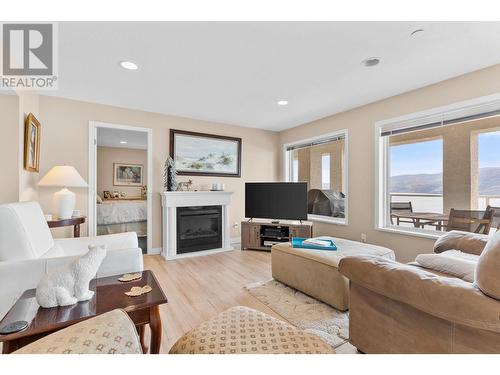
<point>436,164</point>
<point>416,174</point>
<point>321,162</point>
<point>325,171</point>
<point>488,176</point>
<point>295,170</point>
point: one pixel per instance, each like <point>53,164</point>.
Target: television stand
<point>263,234</point>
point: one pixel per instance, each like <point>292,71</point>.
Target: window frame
<point>345,165</point>
<point>471,107</point>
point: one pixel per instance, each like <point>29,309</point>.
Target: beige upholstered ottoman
<point>241,330</point>
<point>315,272</point>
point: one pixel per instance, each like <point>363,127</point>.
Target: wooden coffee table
<point>109,296</point>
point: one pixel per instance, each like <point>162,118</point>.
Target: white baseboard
<point>154,251</point>
<point>235,240</point>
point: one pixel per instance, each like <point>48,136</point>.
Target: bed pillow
<point>487,276</point>
<point>98,199</point>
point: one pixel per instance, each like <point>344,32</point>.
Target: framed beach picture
<point>205,154</point>
<point>127,174</point>
<point>32,130</point>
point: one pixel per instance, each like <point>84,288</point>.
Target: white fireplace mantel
<point>170,200</point>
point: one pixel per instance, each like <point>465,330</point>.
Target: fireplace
<point>199,228</point>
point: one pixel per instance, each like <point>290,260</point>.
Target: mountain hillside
<point>489,182</point>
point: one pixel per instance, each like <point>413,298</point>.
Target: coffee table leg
<point>155,325</point>
<point>141,330</point>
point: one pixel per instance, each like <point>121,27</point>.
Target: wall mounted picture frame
<point>201,154</point>
<point>32,129</point>
<point>127,174</point>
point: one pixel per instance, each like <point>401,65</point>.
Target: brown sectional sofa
<point>400,308</point>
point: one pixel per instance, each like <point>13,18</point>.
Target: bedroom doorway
<point>120,177</point>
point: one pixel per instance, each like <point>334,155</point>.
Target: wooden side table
<point>109,295</point>
<point>75,221</point>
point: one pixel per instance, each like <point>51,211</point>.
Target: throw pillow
<point>487,276</point>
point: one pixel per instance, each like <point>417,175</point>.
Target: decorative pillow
<point>450,262</point>
<point>98,199</point>
<point>487,276</point>
<point>471,243</point>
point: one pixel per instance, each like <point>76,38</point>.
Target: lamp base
<point>64,203</point>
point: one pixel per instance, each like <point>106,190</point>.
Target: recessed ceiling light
<point>282,102</point>
<point>371,61</point>
<point>129,65</point>
<point>417,32</point>
<point>123,142</point>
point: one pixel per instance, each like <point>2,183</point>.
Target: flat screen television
<point>276,200</point>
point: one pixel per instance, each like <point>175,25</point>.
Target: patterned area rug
<point>303,311</point>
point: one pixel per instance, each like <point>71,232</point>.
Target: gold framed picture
<point>32,130</point>
<point>127,174</point>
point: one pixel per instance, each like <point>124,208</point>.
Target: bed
<point>117,216</point>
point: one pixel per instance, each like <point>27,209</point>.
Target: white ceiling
<point>110,137</point>
<point>235,72</point>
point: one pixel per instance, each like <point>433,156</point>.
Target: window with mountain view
<point>441,173</point>
<point>321,163</point>
<point>489,169</point>
<point>416,173</point>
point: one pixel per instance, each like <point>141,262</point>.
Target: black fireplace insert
<point>199,228</point>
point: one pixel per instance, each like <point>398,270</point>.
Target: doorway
<point>120,181</point>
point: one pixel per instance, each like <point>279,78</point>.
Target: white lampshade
<point>63,176</point>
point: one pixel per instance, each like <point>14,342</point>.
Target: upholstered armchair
<point>28,251</point>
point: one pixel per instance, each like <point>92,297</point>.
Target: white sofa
<point>28,251</point>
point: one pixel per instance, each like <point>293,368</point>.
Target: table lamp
<point>63,176</point>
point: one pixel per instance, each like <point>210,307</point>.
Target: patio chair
<point>495,222</point>
<point>401,207</point>
<point>474,221</point>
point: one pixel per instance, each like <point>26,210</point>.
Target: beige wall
<point>65,141</point>
<point>107,156</point>
<point>9,146</point>
<point>361,122</point>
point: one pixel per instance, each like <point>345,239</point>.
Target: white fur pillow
<point>487,276</point>
<point>451,262</point>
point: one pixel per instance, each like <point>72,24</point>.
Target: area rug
<point>302,311</point>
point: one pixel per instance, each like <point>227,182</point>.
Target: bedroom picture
<point>127,174</point>
<point>121,165</point>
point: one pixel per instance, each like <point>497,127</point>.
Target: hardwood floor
<point>199,288</point>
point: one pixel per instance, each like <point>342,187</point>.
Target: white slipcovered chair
<point>28,251</point>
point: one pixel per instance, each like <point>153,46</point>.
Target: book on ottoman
<point>313,243</point>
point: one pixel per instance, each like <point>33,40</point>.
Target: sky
<point>417,158</point>
<point>427,157</point>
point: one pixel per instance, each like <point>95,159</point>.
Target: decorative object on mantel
<point>70,284</point>
<point>136,291</point>
<point>64,200</point>
<point>169,175</point>
<point>217,187</point>
<point>130,277</point>
<point>32,129</point>
<point>201,154</point>
<point>185,185</point>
